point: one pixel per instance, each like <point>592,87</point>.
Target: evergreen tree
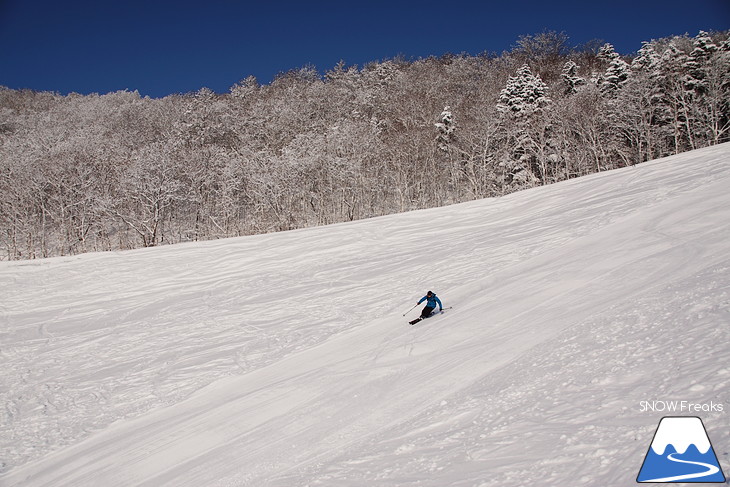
<point>571,80</point>
<point>446,127</point>
<point>708,79</point>
<point>698,61</point>
<point>617,72</point>
<point>522,102</point>
<point>646,60</point>
<point>524,94</point>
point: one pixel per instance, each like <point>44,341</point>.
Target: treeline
<point>118,171</point>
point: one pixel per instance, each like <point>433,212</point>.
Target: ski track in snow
<point>284,359</point>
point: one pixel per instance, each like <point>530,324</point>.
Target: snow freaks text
<point>680,407</point>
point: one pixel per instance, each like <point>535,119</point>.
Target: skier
<point>431,301</point>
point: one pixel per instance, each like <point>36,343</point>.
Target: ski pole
<point>410,310</point>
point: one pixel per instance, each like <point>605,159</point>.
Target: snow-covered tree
<point>646,60</point>
<point>522,102</point>
<point>698,61</point>
<point>708,68</point>
<point>545,52</point>
<point>446,127</point>
<point>524,94</point>
<point>245,88</point>
<point>571,81</point>
<point>616,74</point>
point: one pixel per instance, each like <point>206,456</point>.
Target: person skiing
<point>431,301</point>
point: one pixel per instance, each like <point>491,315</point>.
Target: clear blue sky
<point>159,47</point>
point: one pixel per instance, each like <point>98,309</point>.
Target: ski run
<point>285,359</point>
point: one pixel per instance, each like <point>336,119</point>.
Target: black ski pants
<point>426,311</point>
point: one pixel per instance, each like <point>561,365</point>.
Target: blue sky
<point>160,47</point>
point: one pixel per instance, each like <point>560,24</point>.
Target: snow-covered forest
<point>85,173</point>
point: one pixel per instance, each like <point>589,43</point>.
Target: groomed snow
<point>285,359</point>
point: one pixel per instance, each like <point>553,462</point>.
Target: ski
<point>413,322</point>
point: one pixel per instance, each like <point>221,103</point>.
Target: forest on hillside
<point>82,173</point>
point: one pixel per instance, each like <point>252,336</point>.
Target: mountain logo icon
<point>680,452</point>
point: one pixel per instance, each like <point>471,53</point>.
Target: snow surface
<point>285,359</point>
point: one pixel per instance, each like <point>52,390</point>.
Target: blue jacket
<point>432,301</point>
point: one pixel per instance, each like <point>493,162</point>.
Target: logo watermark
<point>680,452</point>
<point>680,407</point>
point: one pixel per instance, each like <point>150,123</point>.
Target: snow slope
<point>285,359</point>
